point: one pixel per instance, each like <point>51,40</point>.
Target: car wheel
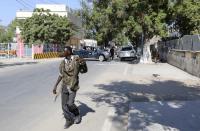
<point>101,58</point>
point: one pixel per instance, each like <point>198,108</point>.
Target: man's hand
<point>71,90</point>
<point>80,60</point>
<point>54,90</point>
<point>55,87</point>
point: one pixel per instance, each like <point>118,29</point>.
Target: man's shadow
<point>84,109</point>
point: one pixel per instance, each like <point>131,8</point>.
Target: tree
<point>111,19</point>
<point>8,33</point>
<point>85,14</point>
<point>142,21</point>
<point>121,39</point>
<point>145,20</point>
<point>99,23</point>
<point>44,27</point>
<point>2,34</point>
<point>187,16</point>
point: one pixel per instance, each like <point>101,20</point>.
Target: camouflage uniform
<point>69,71</point>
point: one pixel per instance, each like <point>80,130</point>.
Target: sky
<point>8,8</point>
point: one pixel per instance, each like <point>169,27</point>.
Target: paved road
<point>26,100</point>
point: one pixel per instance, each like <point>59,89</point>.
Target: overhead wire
<point>27,3</point>
<point>21,3</point>
<point>52,1</point>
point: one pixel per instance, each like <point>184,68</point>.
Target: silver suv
<point>127,52</point>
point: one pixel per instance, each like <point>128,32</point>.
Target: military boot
<point>68,123</point>
<point>77,119</point>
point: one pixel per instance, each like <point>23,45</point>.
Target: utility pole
<point>82,32</point>
<point>68,6</point>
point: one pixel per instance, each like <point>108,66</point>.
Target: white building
<point>89,42</point>
<point>61,10</point>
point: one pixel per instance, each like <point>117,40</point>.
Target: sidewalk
<point>162,116</point>
<point>22,61</point>
<point>154,97</point>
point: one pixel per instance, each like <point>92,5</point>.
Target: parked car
<point>127,52</point>
<point>3,55</point>
<point>93,52</point>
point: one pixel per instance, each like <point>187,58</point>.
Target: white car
<point>127,52</point>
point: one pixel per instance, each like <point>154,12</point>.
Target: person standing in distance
<point>112,53</point>
<point>69,70</point>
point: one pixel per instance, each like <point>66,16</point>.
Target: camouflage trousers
<point>70,110</point>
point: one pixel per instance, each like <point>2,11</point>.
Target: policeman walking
<point>69,70</point>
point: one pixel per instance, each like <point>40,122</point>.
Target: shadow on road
<point>115,60</point>
<point>158,90</point>
<point>120,94</point>
<point>91,59</point>
<point>84,109</point>
<point>2,65</point>
<point>129,61</point>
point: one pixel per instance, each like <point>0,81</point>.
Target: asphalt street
<point>27,102</point>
